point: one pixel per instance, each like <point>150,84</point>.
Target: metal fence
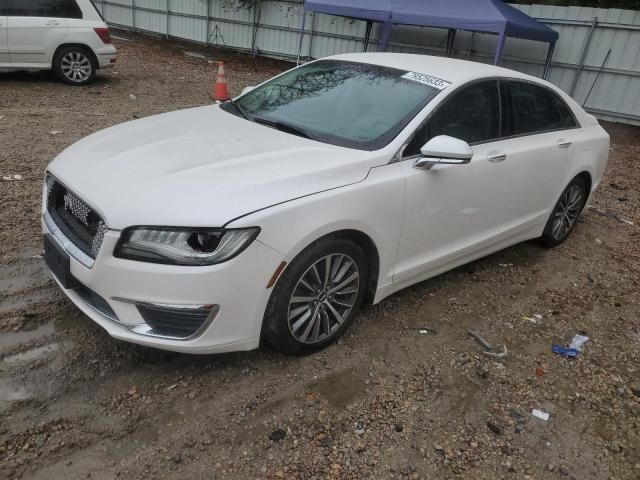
<point>597,60</point>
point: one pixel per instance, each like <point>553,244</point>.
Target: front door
<point>452,210</point>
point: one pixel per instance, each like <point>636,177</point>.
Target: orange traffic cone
<point>219,92</point>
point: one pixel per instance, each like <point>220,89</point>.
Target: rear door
<point>36,28</point>
<point>540,131</point>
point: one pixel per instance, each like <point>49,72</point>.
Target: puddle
<point>11,393</point>
<point>61,324</point>
<point>20,302</point>
<point>27,274</point>
<point>340,388</point>
<point>32,354</point>
<point>11,339</point>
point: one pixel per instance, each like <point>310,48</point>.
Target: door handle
<point>563,144</point>
<point>498,157</point>
<point>53,23</point>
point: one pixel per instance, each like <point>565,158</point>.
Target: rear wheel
<point>74,65</point>
<point>566,213</point>
<point>317,297</point>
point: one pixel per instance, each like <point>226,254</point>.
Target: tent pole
<point>385,34</point>
<point>367,36</point>
<point>500,46</point>
<point>451,38</point>
<point>547,65</point>
<point>304,19</point>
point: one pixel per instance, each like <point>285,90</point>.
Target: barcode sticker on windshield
<point>427,80</point>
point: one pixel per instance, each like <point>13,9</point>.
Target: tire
<point>565,214</point>
<point>284,326</point>
<point>75,65</point>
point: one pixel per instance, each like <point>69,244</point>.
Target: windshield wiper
<point>282,126</point>
<point>239,109</point>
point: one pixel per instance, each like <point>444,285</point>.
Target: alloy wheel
<point>567,212</point>
<point>76,67</point>
<point>323,298</point>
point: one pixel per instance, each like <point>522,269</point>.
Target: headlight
<point>183,246</point>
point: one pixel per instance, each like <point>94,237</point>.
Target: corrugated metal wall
<point>585,34</point>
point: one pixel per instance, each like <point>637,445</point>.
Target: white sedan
<point>276,215</point>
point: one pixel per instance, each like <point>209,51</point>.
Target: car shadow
<point>42,77</point>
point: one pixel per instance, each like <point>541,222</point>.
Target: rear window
<point>535,109</point>
<point>40,8</point>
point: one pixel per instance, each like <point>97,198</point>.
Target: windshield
<point>350,104</point>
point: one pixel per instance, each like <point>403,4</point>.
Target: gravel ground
<point>406,394</point>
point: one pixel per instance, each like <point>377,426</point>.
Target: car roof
<point>450,69</point>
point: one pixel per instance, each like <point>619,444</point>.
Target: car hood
<point>199,167</point>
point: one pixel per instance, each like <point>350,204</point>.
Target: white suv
<point>68,36</point>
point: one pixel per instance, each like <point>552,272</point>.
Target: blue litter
<point>564,351</point>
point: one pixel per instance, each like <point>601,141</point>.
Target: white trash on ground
<point>540,414</point>
<point>578,341</point>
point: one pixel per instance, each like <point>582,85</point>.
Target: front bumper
<point>236,291</point>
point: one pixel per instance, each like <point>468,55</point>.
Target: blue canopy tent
<point>367,10</point>
<point>485,16</point>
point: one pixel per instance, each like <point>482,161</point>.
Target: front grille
<point>78,221</point>
<point>173,322</point>
<point>95,301</point>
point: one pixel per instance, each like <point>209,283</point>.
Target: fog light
<point>179,322</point>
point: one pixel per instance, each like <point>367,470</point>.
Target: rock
<point>407,470</point>
<point>277,435</point>
<point>563,470</point>
<point>494,427</point>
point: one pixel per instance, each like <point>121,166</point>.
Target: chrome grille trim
<point>98,238</point>
<point>83,245</point>
<point>77,207</point>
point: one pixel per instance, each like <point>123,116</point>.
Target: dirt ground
<point>406,394</point>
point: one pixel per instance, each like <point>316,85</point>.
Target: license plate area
<point>57,259</point>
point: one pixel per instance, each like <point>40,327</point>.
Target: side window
<point>536,109</point>
<point>42,8</point>
<point>563,113</point>
<point>472,115</point>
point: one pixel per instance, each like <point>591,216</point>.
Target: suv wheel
<point>316,297</point>
<point>74,65</point>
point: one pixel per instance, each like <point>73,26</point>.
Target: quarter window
<point>472,115</point>
<point>535,109</point>
<point>41,8</point>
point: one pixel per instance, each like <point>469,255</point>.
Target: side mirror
<point>443,150</point>
<point>247,89</point>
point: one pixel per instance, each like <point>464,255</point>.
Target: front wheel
<point>74,65</point>
<point>317,297</point>
<point>565,214</point>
